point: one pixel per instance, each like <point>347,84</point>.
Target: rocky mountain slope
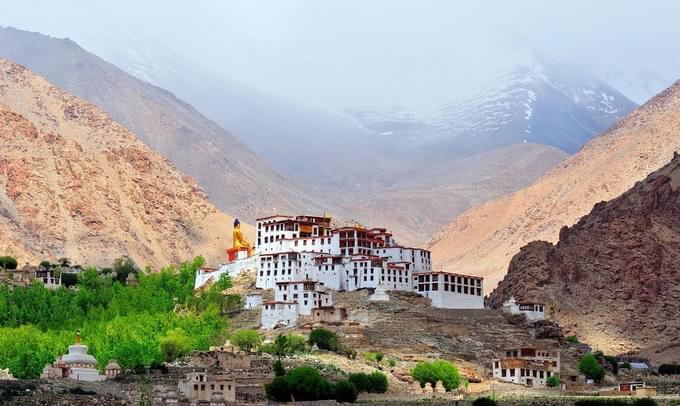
<point>236,180</point>
<point>613,278</point>
<point>541,102</point>
<point>74,183</point>
<point>483,239</point>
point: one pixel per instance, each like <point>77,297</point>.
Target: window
<point>196,387</point>
<point>512,372</point>
<point>504,373</point>
<point>496,364</point>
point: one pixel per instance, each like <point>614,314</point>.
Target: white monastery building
<point>532,311</point>
<point>527,366</point>
<point>304,259</point>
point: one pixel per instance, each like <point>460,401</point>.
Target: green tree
<point>553,381</point>
<point>360,381</point>
<point>345,392</point>
<point>591,368</point>
<point>377,382</point>
<point>324,339</point>
<point>175,344</point>
<point>572,339</point>
<point>8,263</point>
<point>246,339</point>
<point>439,370</point>
<point>485,401</point>
<point>279,370</point>
<point>278,389</point>
<point>307,384</point>
<point>123,267</point>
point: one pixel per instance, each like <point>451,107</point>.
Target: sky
<point>354,53</point>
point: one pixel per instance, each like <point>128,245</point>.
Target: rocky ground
<point>613,279</point>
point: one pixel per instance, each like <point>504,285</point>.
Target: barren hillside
<point>613,279</point>
<point>74,183</point>
<point>482,240</point>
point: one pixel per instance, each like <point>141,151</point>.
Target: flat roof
<point>448,273</point>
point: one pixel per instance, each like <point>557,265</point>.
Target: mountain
<point>540,102</point>
<point>76,184</point>
<point>310,144</point>
<point>237,180</point>
<point>417,207</point>
<point>483,239</point>
<point>613,278</point>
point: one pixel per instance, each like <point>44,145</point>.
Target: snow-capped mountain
<point>541,102</point>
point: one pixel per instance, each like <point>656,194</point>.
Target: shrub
<point>553,381</point>
<point>69,279</point>
<point>124,267</point>
<point>8,263</point>
<point>360,381</point>
<point>246,339</point>
<point>484,402</point>
<point>279,370</point>
<point>572,339</point>
<point>278,389</point>
<point>345,391</point>
<point>613,362</point>
<point>175,344</point>
<point>324,339</point>
<point>45,264</point>
<point>377,382</point>
<point>306,383</point>
<point>375,356</point>
<point>439,370</point>
<point>644,402</point>
<point>591,368</point>
<point>391,362</point>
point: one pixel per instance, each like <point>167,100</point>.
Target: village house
<point>204,386</point>
<point>532,311</point>
<point>303,259</point>
<point>527,366</point>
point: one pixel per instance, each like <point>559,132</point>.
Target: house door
<point>530,382</point>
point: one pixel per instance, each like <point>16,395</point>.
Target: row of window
<point>466,290</point>
<point>525,373</point>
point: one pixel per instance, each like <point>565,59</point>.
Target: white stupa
<point>380,295</point>
<point>78,364</point>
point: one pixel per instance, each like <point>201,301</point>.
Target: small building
<point>631,386</point>
<point>278,314</point>
<point>449,290</point>
<point>253,301</point>
<point>532,311</point>
<point>206,387</point>
<point>527,366</point>
<point>329,315</point>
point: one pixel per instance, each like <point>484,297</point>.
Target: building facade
<point>303,259</point>
<point>527,366</point>
<point>532,311</point>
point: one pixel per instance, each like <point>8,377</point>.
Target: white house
<point>532,311</point>
<point>527,366</point>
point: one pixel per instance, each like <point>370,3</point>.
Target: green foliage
<point>324,339</point>
<point>45,264</point>
<point>375,356</point>
<point>345,392</point>
<point>307,384</point>
<point>553,381</point>
<point>591,368</point>
<point>360,381</point>
<point>644,402</point>
<point>391,362</point>
<point>126,323</point>
<point>278,389</point>
<point>285,345</point>
<point>612,402</point>
<point>69,279</point>
<point>8,263</point>
<point>572,339</point>
<point>485,401</point>
<point>279,370</point>
<point>124,267</point>
<point>246,339</point>
<point>175,344</point>
<point>439,370</point>
<point>613,362</point>
<point>667,369</point>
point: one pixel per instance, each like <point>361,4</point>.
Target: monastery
<point>304,260</point>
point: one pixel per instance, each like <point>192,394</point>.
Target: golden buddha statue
<point>240,241</point>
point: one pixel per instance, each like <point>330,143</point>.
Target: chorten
<point>380,295</point>
<point>80,365</point>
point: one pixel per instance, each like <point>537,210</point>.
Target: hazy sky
<point>377,52</point>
